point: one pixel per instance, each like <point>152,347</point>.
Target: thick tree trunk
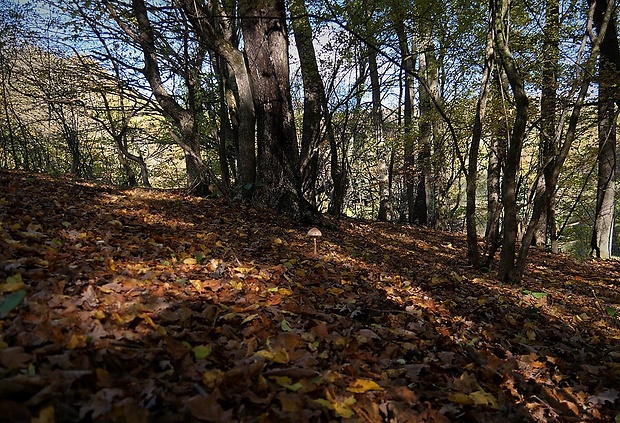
<point>602,238</point>
<point>266,46</point>
<point>608,72</point>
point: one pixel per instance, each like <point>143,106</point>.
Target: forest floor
<point>148,305</point>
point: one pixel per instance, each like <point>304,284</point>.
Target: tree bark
<point>609,68</point>
<point>314,94</point>
<point>506,271</point>
<point>548,104</point>
<point>205,22</point>
<point>385,209</point>
<point>266,46</point>
<point>541,201</point>
<point>473,253</point>
<point>408,65</point>
<point>427,88</point>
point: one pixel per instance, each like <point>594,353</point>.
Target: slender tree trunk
<point>186,134</point>
<point>385,212</point>
<point>205,21</point>
<point>421,205</point>
<point>473,253</point>
<point>494,206</point>
<point>548,105</point>
<point>408,64</point>
<point>513,157</point>
<point>314,94</point>
<point>228,131</point>
<point>541,201</point>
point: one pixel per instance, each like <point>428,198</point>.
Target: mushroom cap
<point>314,232</point>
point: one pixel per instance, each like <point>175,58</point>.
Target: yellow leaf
<point>77,341</point>
<point>285,291</point>
<point>282,380</point>
<point>148,320</point>
<point>364,385</point>
<point>460,398</point>
<point>279,356</point>
<point>196,284</point>
<point>341,408</point>
<point>99,315</point>
<point>212,378</point>
<point>484,398</point>
<point>190,261</point>
<point>110,265</point>
<point>13,283</point>
<point>249,318</point>
<point>47,415</point>
<point>335,291</point>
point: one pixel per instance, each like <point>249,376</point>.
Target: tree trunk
<point>494,206</point>
<point>266,46</point>
<point>473,253</point>
<point>220,41</point>
<point>548,104</point>
<point>385,209</point>
<point>609,68</point>
<point>541,201</point>
<point>408,63</point>
<point>184,119</point>
<point>314,94</point>
<point>507,268</point>
<point>423,192</point>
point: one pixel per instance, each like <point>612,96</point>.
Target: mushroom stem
<point>314,233</point>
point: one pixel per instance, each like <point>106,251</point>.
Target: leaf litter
<point>148,305</point>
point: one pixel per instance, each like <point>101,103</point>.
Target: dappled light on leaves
<point>146,305</point>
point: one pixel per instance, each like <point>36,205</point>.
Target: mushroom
<point>314,233</point>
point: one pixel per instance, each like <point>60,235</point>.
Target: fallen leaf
<point>364,385</point>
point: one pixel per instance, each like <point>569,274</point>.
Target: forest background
<point>496,119</point>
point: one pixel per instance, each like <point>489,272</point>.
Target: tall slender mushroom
<point>314,233</point>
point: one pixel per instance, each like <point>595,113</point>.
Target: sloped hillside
<point>146,305</point>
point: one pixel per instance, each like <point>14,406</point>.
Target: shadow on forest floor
<point>144,305</point>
